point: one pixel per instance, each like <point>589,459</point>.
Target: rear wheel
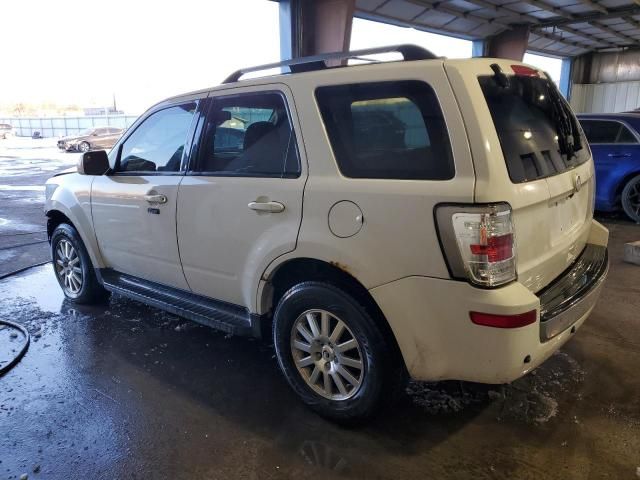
<point>73,268</point>
<point>631,199</point>
<point>332,353</point>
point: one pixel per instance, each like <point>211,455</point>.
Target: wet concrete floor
<point>126,391</point>
<point>25,165</point>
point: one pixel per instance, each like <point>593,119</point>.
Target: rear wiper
<point>569,140</point>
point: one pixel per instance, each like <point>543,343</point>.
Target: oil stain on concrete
<point>126,391</point>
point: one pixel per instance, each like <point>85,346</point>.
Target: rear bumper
<point>430,320</point>
<point>574,293</point>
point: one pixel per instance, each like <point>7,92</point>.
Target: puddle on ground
<point>39,287</point>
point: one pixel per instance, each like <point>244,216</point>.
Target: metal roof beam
<point>577,32</point>
<point>617,13</point>
<point>549,8</point>
<point>559,39</point>
<point>573,18</point>
<point>537,25</point>
<point>535,21</point>
<point>606,28</point>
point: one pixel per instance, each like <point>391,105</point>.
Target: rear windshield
<point>534,125</point>
<point>392,130</point>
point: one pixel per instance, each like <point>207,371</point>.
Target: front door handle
<point>618,155</point>
<point>271,207</point>
<point>156,198</point>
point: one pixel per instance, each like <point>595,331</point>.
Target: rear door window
<point>607,132</point>
<point>601,131</point>
<point>249,135</point>
<point>392,130</point>
<point>526,113</point>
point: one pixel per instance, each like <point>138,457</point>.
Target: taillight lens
<point>485,241</point>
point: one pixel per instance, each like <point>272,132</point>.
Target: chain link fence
<point>63,126</point>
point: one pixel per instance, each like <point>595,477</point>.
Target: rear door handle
<point>272,207</point>
<point>156,198</point>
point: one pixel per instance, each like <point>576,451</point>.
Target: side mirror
<point>93,163</point>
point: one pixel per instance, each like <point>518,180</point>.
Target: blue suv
<point>615,143</point>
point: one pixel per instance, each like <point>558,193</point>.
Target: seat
<point>263,151</point>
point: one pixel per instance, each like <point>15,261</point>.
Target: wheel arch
<point>55,218</point>
<point>58,215</point>
<point>303,269</point>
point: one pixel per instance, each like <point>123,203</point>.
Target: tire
<point>73,269</point>
<point>84,147</point>
<point>323,357</point>
<point>631,199</point>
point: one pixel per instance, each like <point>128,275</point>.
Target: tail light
<point>479,242</point>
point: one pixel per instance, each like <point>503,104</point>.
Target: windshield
<point>538,133</point>
<point>87,131</point>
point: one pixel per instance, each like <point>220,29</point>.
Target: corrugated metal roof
<point>558,27</point>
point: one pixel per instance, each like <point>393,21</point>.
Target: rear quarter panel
<point>398,237</point>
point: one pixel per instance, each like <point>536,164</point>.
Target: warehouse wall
<point>605,97</point>
<point>606,82</point>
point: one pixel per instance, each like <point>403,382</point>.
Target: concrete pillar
<point>309,27</point>
<point>511,44</point>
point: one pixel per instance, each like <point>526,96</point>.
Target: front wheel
<point>631,199</point>
<point>331,352</point>
<point>73,268</point>
<point>84,147</point>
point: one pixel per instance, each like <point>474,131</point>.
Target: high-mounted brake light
<point>524,71</point>
<point>479,242</point>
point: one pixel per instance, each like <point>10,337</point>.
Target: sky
<point>140,51</point>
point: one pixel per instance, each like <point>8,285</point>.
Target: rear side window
<point>625,136</point>
<point>600,131</point>
<point>606,131</point>
<point>391,130</point>
<point>527,122</point>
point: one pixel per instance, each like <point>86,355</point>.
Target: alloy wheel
<point>327,355</point>
<point>68,267</point>
<point>633,197</point>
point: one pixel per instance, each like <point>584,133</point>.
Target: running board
<point>212,313</point>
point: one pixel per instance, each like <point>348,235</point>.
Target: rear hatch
<point>529,151</point>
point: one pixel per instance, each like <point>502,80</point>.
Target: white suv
<point>426,216</point>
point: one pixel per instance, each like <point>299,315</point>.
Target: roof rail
<point>318,62</point>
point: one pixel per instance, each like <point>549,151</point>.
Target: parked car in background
<point>6,130</point>
<point>95,138</point>
<point>615,144</point>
